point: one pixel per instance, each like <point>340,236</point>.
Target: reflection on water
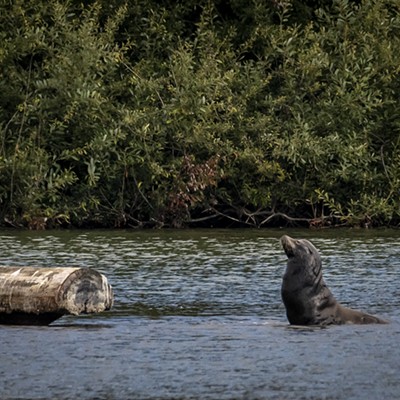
<point>198,315</point>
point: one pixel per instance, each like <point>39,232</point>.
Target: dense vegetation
<point>188,113</point>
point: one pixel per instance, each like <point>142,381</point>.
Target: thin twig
<point>231,218</point>
<point>203,218</point>
<point>141,193</point>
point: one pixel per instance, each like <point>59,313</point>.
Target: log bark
<point>38,296</point>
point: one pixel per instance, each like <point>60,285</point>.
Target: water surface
<point>198,315</point>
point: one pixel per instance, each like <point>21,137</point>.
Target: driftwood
<point>39,296</point>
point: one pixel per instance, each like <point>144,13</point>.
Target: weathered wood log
<point>38,296</point>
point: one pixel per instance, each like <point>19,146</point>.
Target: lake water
<point>198,315</point>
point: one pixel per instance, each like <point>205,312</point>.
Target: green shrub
<point>167,113</point>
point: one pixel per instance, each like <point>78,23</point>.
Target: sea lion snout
<point>288,245</point>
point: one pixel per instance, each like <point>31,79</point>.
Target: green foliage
<point>166,113</point>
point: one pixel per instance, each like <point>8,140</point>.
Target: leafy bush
<point>159,114</point>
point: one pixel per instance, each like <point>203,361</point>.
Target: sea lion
<point>307,299</point>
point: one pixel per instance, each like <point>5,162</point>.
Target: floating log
<point>39,296</point>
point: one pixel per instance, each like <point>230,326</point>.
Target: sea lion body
<point>307,299</point>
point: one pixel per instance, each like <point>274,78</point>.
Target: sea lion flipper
<point>371,319</point>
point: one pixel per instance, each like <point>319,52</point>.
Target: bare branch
<point>286,217</point>
<point>208,217</point>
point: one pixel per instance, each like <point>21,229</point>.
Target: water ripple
<point>198,315</point>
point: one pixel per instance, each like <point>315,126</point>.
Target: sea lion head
<point>301,254</point>
<point>304,292</point>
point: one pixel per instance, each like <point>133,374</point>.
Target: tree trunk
<point>38,296</point>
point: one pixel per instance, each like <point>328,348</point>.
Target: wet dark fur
<point>307,299</point>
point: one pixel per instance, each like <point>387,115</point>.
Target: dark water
<point>198,315</point>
